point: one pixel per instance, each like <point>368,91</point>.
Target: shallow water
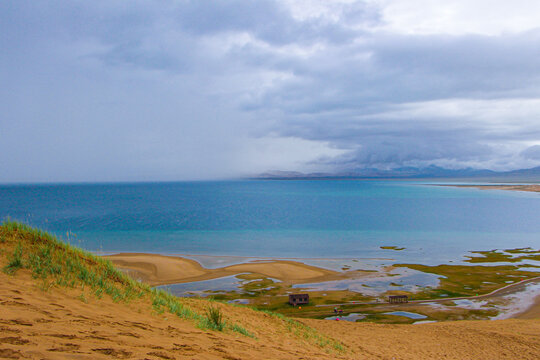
<point>407,280</point>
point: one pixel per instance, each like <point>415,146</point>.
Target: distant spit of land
<point>530,187</point>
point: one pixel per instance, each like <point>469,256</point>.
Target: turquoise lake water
<point>285,219</point>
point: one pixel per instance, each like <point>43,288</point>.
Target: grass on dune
<point>305,332</point>
<point>57,264</point>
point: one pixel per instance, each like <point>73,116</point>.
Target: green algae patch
<point>396,248</point>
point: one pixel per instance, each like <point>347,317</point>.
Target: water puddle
<point>239,301</point>
<point>351,317</point>
<point>202,288</point>
<point>410,315</point>
<point>470,304</point>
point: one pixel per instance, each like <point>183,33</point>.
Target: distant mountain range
<point>429,172</point>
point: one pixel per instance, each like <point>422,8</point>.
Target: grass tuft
<point>214,318</point>
<point>15,261</point>
<point>241,330</point>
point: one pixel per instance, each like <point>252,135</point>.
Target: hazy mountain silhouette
<point>429,172</point>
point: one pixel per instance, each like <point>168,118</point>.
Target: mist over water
<point>307,219</point>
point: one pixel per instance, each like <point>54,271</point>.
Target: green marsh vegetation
<point>468,280</point>
<point>507,255</point>
<point>480,277</point>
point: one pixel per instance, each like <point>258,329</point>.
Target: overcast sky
<point>180,90</point>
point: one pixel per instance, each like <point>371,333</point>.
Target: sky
<point>190,90</point>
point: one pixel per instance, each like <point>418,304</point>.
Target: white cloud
<point>459,17</point>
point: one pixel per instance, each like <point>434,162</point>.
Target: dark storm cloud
<point>189,89</point>
<point>269,21</point>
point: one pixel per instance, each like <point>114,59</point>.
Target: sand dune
<point>56,324</point>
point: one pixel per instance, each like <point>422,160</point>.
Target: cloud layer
<point>195,90</point>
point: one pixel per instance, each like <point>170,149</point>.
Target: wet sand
<point>533,312</point>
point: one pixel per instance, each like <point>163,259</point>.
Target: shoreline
<point>157,270</point>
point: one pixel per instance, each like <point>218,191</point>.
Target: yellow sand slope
<point>56,324</point>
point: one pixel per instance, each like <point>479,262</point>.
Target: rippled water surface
<point>307,219</point>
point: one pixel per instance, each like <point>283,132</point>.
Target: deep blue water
<point>280,218</point>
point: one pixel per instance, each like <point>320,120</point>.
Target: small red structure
<point>298,299</point>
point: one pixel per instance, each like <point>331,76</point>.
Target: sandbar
<point>155,269</point>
